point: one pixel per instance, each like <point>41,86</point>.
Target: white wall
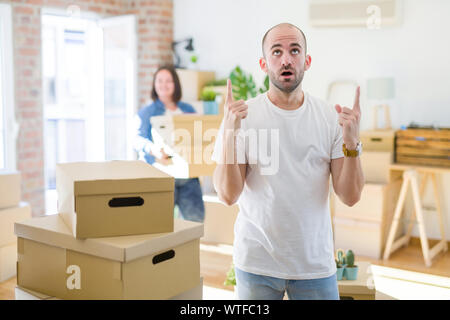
<point>416,53</point>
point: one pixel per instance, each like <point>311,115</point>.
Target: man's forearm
<point>228,179</point>
<point>351,181</point>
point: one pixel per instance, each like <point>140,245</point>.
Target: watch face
<point>359,148</point>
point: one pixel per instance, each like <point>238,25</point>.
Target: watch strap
<point>349,153</point>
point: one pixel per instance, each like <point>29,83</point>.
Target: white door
<point>120,98</point>
<point>8,125</point>
<point>89,71</point>
<point>89,91</point>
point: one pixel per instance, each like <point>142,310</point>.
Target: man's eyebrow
<point>294,44</point>
<point>275,45</point>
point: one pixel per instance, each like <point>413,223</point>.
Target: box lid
<point>113,177</point>
<point>51,230</point>
<point>8,216</point>
<point>4,172</point>
<point>187,117</point>
<point>377,133</point>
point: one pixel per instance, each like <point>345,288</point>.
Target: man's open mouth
<point>286,73</point>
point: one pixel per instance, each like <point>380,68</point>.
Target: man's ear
<point>263,64</point>
<point>307,62</point>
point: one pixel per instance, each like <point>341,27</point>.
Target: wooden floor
<point>214,266</point>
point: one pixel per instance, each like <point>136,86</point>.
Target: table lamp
<point>381,89</point>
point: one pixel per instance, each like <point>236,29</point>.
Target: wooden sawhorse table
<point>410,177</point>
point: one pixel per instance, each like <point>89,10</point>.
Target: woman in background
<point>166,95</point>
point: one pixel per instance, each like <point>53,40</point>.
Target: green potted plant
<point>340,264</point>
<point>351,270</point>
<point>193,59</point>
<point>244,86</point>
<point>210,105</point>
<point>231,277</point>
<point>265,85</point>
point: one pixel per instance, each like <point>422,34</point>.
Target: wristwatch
<point>353,153</point>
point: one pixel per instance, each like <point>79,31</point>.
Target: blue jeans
<point>189,199</point>
<point>252,286</point>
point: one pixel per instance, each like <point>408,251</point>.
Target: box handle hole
<point>163,256</point>
<point>375,139</point>
<point>126,202</point>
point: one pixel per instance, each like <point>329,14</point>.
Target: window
<point>8,125</point>
<point>89,91</point>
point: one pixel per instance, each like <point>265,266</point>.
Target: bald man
<point>283,235</point>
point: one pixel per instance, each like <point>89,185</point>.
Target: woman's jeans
<point>257,287</point>
<point>189,199</point>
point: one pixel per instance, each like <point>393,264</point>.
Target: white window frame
<point>131,93</point>
<point>7,81</point>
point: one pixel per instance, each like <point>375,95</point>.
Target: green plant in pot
<point>210,105</point>
<point>351,270</point>
<point>244,86</point>
<point>231,277</point>
<point>340,264</point>
<point>265,85</point>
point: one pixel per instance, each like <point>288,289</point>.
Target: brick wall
<point>155,35</point>
<point>155,30</point>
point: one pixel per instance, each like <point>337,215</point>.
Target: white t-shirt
<point>283,228</point>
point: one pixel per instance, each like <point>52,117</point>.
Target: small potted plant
<point>351,270</point>
<point>193,59</point>
<point>340,264</point>
<point>231,277</point>
<point>210,105</point>
<point>231,280</point>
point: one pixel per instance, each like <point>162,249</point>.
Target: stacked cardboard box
<point>114,237</point>
<point>364,226</point>
<point>219,220</point>
<point>189,139</point>
<point>193,82</point>
<point>195,293</point>
<point>378,154</point>
<point>11,211</point>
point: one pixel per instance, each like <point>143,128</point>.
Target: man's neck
<point>286,101</point>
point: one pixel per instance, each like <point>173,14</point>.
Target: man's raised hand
<point>234,111</point>
<point>349,120</point>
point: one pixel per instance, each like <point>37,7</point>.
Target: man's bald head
<point>280,25</point>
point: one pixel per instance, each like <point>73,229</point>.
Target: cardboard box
<point>193,81</point>
<point>362,237</point>
<point>365,238</point>
<point>104,199</point>
<point>376,202</point>
<point>151,266</point>
<point>8,217</point>
<point>195,293</point>
<point>371,206</point>
<point>377,140</point>
<point>185,129</point>
<point>375,166</point>
<point>9,189</point>
<point>219,220</point>
<point>190,140</point>
<point>8,259</point>
<point>26,294</point>
<point>365,226</point>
